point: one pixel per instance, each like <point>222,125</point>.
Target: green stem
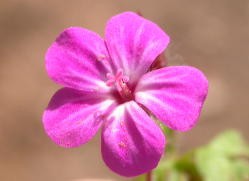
<point>170,135</point>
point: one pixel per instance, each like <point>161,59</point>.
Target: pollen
<point>121,124</point>
<point>121,144</point>
<point>101,57</point>
<point>120,82</point>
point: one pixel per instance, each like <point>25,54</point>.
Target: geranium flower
<point>108,86</point>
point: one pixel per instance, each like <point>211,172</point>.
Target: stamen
<point>124,91</point>
<point>125,79</point>
<point>120,82</point>
<point>101,57</point>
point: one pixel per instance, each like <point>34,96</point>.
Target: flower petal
<point>72,118</point>
<point>134,43</point>
<point>132,143</point>
<point>174,94</point>
<point>78,59</point>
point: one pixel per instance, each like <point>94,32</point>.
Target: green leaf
<point>241,170</point>
<point>165,167</point>
<point>211,166</point>
<point>224,158</point>
<point>230,143</point>
<point>176,175</point>
<point>168,170</point>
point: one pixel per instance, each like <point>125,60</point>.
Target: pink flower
<point>108,87</point>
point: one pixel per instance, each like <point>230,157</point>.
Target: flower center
<point>120,82</point>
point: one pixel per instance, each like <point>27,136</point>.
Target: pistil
<point>124,92</point>
<point>120,82</point>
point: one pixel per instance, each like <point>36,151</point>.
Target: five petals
<point>132,143</point>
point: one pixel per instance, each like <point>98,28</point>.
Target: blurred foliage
<point>224,159</point>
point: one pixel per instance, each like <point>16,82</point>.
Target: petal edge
<point>72,118</point>
<point>78,59</point>
<point>131,142</point>
<point>134,43</point>
<point>175,95</point>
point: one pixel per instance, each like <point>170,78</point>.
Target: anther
<point>101,57</point>
<point>120,82</point>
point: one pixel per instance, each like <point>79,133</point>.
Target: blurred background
<point>211,35</point>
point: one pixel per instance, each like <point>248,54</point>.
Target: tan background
<point>211,35</point>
